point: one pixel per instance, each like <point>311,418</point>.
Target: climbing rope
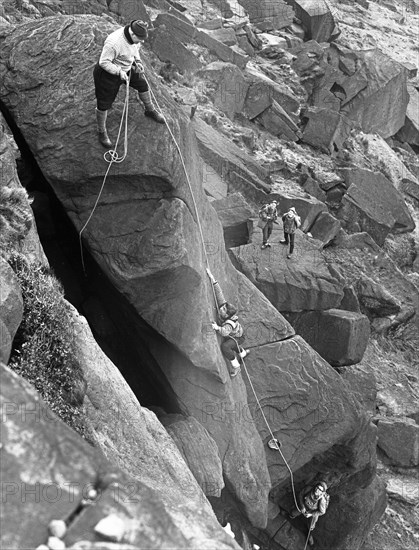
<point>111,157</point>
<point>206,257</point>
<point>309,532</point>
<point>277,446</point>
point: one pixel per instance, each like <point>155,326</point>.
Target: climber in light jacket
<point>230,329</point>
<point>291,222</point>
<point>120,63</point>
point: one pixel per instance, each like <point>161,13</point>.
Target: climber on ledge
<point>230,329</point>
<point>291,222</point>
<point>313,502</point>
<point>267,216</point>
<point>120,63</point>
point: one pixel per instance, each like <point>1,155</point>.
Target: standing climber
<point>291,222</point>
<point>230,329</point>
<point>268,215</point>
<point>120,63</point>
<point>313,502</point>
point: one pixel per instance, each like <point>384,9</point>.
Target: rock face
<point>268,14</point>
<point>145,237</point>
<point>339,336</point>
<point>233,213</point>
<point>199,451</point>
<point>399,439</point>
<point>58,468</point>
<point>303,283</point>
<point>316,18</point>
<point>11,309</point>
<point>372,204</point>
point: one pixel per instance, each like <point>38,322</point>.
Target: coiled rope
<point>111,157</point>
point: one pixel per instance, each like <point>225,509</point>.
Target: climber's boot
<point>150,110</point>
<point>235,367</point>
<point>101,117</point>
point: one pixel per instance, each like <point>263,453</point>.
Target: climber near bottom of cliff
<point>230,329</point>
<point>120,63</point>
<point>313,502</point>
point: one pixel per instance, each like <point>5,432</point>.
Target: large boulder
<point>268,14</point>
<point>372,204</point>
<point>316,19</point>
<point>11,308</point>
<point>301,283</point>
<point>339,336</point>
<point>49,472</point>
<point>399,439</point>
<point>380,107</point>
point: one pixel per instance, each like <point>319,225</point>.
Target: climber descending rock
<point>230,329</point>
<point>291,221</point>
<point>120,63</point>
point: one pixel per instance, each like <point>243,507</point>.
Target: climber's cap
<point>139,28</point>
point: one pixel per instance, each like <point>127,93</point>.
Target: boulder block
<point>399,439</point>
<point>339,336</point>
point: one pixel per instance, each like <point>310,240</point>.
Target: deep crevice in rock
<point>117,327</point>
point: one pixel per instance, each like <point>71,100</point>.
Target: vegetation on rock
<point>43,347</point>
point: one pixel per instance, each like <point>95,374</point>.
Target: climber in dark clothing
<point>313,502</point>
<point>268,215</point>
<point>230,329</point>
<point>120,63</point>
<point>291,222</point>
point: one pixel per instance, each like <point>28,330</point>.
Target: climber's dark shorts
<point>107,86</point>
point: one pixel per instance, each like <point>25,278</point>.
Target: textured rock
<point>199,451</point>
<point>11,308</point>
<point>263,91</point>
<point>169,49</point>
<point>325,228</point>
<point>361,509</point>
<point>276,121</point>
<point>339,336</point>
<point>221,50</point>
<point>268,14</point>
<point>231,86</point>
<point>238,169</point>
<point>182,31</point>
<point>409,133</point>
<point>316,18</point>
<point>49,471</point>
<point>380,107</point>
<point>372,204</point>
<point>325,129</point>
<point>375,299</point>
<point>310,395</point>
<point>303,283</point>
<point>399,439</point>
<point>233,213</point>
<point>363,384</point>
